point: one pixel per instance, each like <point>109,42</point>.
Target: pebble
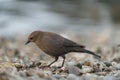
<point>73,70</point>
<point>117,74</point>
<point>89,76</point>
<point>108,64</point>
<point>18,66</point>
<point>101,73</point>
<point>87,63</point>
<point>117,59</point>
<point>59,77</point>
<point>113,63</point>
<point>79,65</point>
<point>73,77</point>
<point>87,69</point>
<point>70,63</point>
<point>117,66</point>
<point>110,78</point>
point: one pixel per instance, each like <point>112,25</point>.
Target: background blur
<point>94,21</point>
<point>97,19</point>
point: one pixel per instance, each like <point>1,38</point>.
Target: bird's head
<point>33,36</point>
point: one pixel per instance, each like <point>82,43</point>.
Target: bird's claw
<point>59,66</point>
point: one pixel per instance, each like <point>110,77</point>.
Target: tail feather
<point>87,51</point>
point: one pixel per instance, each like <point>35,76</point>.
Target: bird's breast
<point>50,48</point>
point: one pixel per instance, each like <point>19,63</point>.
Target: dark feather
<point>69,43</point>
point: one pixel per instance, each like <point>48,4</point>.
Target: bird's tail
<point>87,51</point>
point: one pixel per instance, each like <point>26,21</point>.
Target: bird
<point>56,45</point>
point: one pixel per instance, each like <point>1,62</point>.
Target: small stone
<point>113,63</point>
<point>87,63</point>
<point>73,70</point>
<point>22,73</point>
<point>50,78</point>
<point>106,69</point>
<point>89,76</point>
<point>47,72</point>
<point>98,67</point>
<point>59,77</point>
<point>87,69</point>
<point>35,77</point>
<point>79,65</point>
<point>116,60</point>
<point>72,77</point>
<point>110,78</point>
<point>38,64</point>
<point>101,73</point>
<point>70,63</point>
<point>41,74</point>
<point>29,73</point>
<point>117,66</point>
<point>18,66</point>
<point>3,76</point>
<point>108,64</point>
<point>117,74</point>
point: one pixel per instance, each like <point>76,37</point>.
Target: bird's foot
<point>59,66</point>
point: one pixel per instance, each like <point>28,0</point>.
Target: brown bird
<point>55,45</point>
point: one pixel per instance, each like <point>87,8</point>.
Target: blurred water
<point>20,17</point>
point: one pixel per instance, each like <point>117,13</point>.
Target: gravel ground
<point>23,62</point>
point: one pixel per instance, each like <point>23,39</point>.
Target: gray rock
<point>79,65</point>
<point>71,63</point>
<point>50,78</point>
<point>113,63</point>
<point>87,69</point>
<point>108,64</point>
<point>73,77</point>
<point>117,66</point>
<point>117,74</point>
<point>35,77</point>
<point>110,78</point>
<point>62,79</point>
<point>90,76</point>
<point>74,70</point>
<point>57,76</point>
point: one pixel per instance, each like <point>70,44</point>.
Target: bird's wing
<point>69,43</point>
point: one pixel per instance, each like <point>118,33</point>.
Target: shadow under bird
<point>55,45</point>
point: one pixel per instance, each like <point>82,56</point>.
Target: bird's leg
<point>56,58</point>
<point>62,62</point>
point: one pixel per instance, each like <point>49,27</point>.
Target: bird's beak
<point>27,42</point>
